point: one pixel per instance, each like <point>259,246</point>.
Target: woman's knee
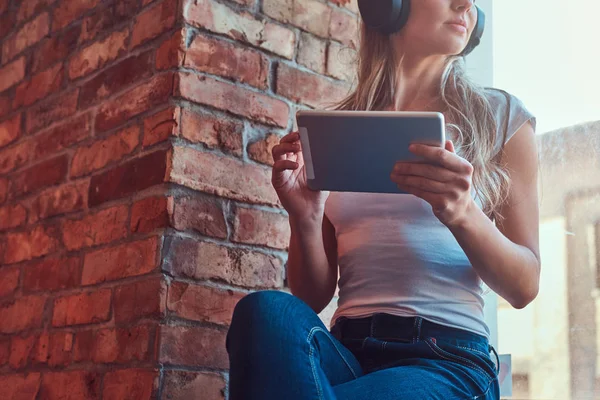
<point>262,303</point>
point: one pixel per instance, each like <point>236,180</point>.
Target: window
<point>545,52</point>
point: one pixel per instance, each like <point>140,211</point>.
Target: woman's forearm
<point>511,270</point>
<point>308,273</point>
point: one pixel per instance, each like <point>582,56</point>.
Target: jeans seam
<point>474,350</point>
<point>312,363</point>
<point>486,391</point>
<point>310,336</point>
<point>458,359</point>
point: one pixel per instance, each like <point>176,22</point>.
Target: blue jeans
<point>279,349</point>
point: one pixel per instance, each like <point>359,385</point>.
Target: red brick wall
<point>135,199</point>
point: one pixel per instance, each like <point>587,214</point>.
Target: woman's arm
<point>312,267</point>
<point>507,257</point>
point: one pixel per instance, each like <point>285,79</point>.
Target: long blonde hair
<point>468,112</point>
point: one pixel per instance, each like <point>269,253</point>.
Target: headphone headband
<point>390,16</point>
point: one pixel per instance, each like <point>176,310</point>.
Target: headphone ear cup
<point>477,33</point>
<point>385,16</point>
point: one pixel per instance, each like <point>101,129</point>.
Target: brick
<point>55,48</point>
<point>139,99</point>
<point>113,345</point>
<point>28,9</point>
<point>23,313</point>
<point>202,303</point>
<point>222,176</point>
<point>310,89</point>
<point>191,385</point>
<point>253,226</point>
<point>12,216</point>
<point>260,151</point>
<point>129,259</point>
<point>203,260</point>
<point>39,86</point>
<point>214,132</point>
<point>116,78</point>
<point>20,350</point>
<point>98,54</point>
<point>219,18</point>
<point>9,280</point>
<point>351,5</point>
<point>6,24</point>
<point>59,137</point>
<point>104,152</point>
<point>31,33</point>
<point>54,349</point>
<point>340,63</point>
<point>10,130</point>
<point>51,110</point>
<point>128,178</point>
<point>344,28</point>
<point>312,52</point>
<point>5,104</point>
<point>200,214</point>
<point>20,387</point>
<point>161,126</point>
<point>105,17</point>
<point>22,246</point>
<point>309,15</point>
<point>84,308</point>
<point>52,273</point>
<point>193,346</point>
<point>3,189</point>
<point>44,174</point>
<point>172,51</point>
<point>153,21</point>
<point>12,73</point>
<point>15,156</point>
<point>95,229</point>
<point>150,214</point>
<point>4,353</point>
<point>56,201</point>
<point>232,98</point>
<point>142,299</point>
<point>68,11</point>
<point>70,385</point>
<point>218,57</point>
<point>139,384</point>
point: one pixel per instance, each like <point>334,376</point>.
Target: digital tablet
<point>355,151</point>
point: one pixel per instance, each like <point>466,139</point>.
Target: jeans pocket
<point>470,358</point>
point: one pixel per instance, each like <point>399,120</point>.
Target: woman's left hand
<point>445,182</point>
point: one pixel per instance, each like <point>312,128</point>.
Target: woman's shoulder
<point>510,112</point>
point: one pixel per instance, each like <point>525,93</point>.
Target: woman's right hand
<point>289,180</point>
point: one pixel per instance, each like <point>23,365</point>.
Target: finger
<point>280,150</point>
<point>427,196</point>
<point>442,157</point>
<point>290,137</point>
<point>285,165</point>
<point>429,171</point>
<point>450,146</point>
<point>420,183</point>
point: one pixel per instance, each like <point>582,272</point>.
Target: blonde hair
<point>468,112</point>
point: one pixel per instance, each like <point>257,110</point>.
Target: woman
<point>409,322</point>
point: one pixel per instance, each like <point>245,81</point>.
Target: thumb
<point>450,146</point>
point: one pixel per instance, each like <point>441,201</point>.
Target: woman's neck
<point>418,84</point>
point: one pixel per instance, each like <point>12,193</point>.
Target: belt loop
<point>416,330</point>
<point>373,325</point>
<point>497,358</point>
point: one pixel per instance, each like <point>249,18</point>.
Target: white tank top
<point>396,257</point>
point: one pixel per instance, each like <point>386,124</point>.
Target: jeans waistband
<point>408,329</point>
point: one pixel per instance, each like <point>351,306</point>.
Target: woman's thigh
<point>421,379</point>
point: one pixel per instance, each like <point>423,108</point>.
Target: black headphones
<point>389,16</point>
